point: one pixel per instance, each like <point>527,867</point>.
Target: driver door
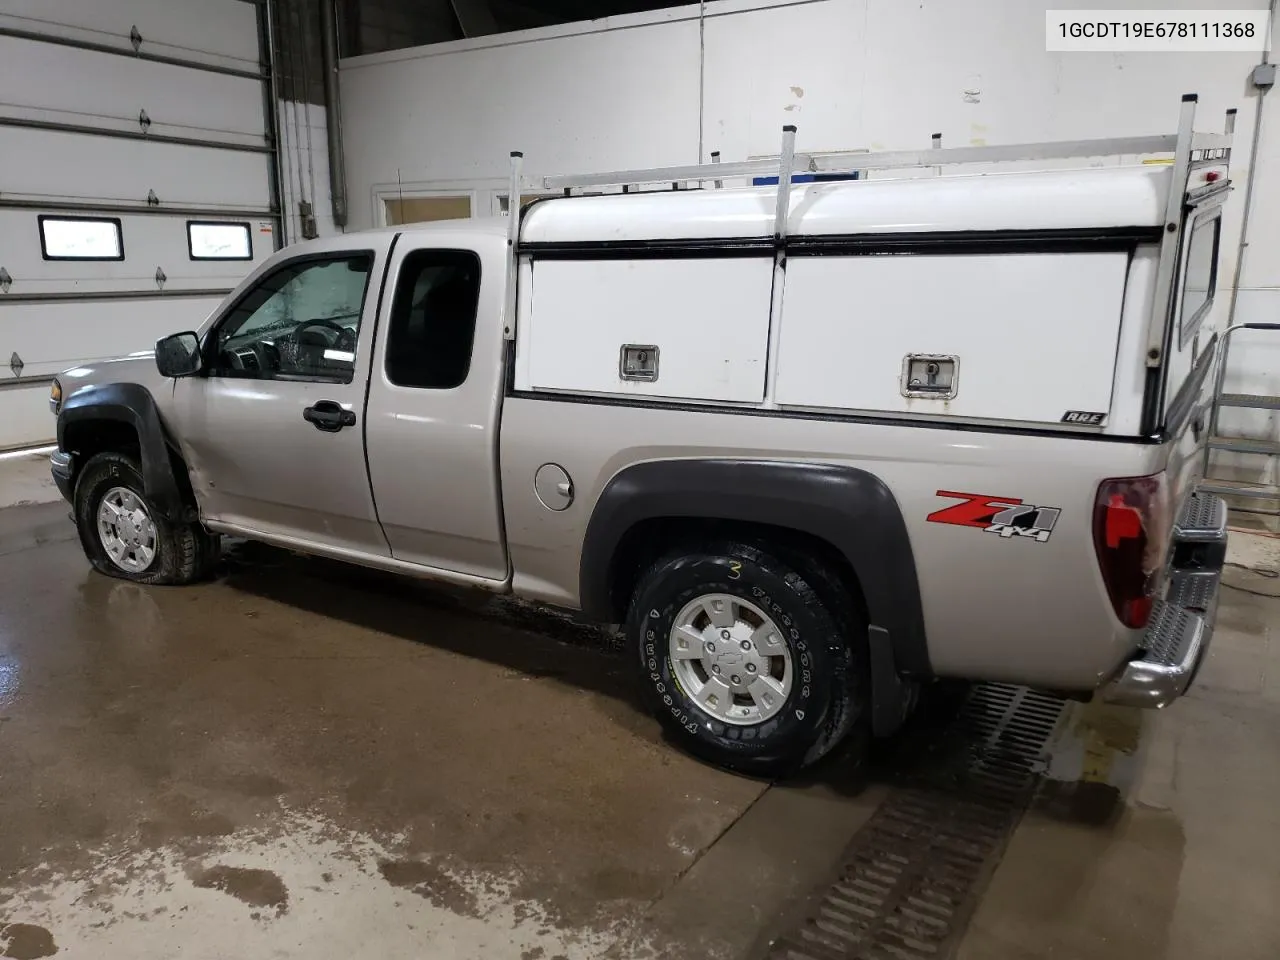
<point>273,428</point>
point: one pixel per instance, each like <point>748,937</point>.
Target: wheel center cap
<point>734,658</point>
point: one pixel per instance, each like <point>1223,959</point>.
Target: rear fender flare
<point>849,508</point>
<point>131,403</point>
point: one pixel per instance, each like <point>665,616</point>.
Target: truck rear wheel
<point>124,536</point>
<point>743,661</point>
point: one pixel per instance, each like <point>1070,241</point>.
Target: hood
<point>137,368</point>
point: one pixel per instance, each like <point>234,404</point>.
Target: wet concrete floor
<point>1159,835</point>
<point>308,759</point>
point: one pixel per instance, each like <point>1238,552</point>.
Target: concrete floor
<point>305,759</point>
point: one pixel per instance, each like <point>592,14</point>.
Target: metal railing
<point>1243,491</point>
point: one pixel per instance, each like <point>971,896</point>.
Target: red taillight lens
<point>1131,526</point>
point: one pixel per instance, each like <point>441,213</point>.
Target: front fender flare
<point>131,403</point>
<point>849,508</point>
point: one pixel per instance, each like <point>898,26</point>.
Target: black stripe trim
<point>976,241</point>
<point>953,241</point>
<point>841,417</point>
<point>650,249</point>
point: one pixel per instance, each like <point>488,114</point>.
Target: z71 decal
<point>1006,516</point>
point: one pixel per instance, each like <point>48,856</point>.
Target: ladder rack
<point>1197,147</point>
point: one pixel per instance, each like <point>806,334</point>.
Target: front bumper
<point>62,466</point>
<point>1181,625</point>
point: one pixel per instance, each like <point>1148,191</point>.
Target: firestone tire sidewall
<point>780,743</point>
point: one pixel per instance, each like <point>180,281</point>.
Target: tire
<point>825,651</point>
<point>180,553</point>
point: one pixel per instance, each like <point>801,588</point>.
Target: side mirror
<point>178,355</point>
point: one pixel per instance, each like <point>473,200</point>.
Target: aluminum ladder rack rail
<point>1215,146</point>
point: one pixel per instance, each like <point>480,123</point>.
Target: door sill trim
<point>388,564</point>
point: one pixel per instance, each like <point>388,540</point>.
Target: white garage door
<point>136,181</point>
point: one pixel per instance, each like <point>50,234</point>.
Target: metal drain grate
<point>915,871</point>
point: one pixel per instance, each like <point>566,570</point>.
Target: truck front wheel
<point>124,536</point>
<point>742,660</point>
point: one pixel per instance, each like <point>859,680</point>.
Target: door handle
<point>328,416</point>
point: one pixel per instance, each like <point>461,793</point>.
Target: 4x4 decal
<point>1006,516</point>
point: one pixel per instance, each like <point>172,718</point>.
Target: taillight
<point>1131,526</point>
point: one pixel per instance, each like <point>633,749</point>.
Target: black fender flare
<point>849,508</point>
<point>133,404</point>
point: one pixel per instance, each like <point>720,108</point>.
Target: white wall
<point>878,74</point>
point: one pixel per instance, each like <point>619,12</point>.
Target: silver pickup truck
<point>626,416</point>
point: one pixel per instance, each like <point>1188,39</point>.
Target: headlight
<point>55,396</point>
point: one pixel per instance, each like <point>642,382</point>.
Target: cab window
<point>301,321</point>
<point>433,319</point>
<point>1200,276</point>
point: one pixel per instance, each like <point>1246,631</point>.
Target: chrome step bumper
<point>1181,625</point>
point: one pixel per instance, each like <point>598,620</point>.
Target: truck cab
<point>301,417</point>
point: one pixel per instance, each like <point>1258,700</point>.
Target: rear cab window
<point>1199,275</point>
<point>433,319</point>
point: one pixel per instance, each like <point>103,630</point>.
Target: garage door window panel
<point>433,319</point>
<point>81,238</point>
<point>218,240</point>
<point>300,322</point>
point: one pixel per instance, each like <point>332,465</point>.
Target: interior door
<point>272,429</point>
<point>433,406</point>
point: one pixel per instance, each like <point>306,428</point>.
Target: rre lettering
<point>1083,416</point>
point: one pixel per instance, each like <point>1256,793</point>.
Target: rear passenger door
<point>434,398</point>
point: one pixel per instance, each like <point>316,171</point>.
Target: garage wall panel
<point>50,337</point>
<point>105,162</point>
<point>103,89</point>
<point>60,165</point>
<point>222,32</point>
<point>26,413</point>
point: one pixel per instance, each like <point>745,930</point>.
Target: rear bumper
<point>62,466</point>
<point>1181,625</point>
